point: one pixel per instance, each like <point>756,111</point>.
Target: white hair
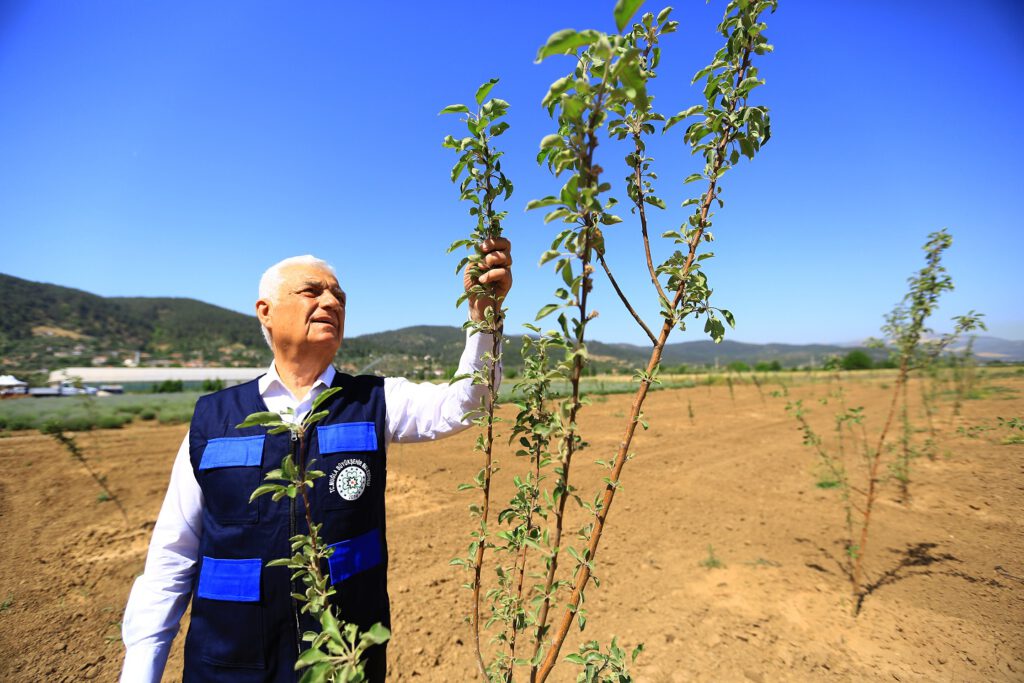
<point>272,279</point>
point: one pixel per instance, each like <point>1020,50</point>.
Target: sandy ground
<point>950,565</point>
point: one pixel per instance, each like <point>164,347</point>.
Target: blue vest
<point>245,625</point>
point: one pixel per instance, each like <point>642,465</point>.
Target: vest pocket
<point>229,471</point>
<point>227,617</point>
<point>355,555</point>
<point>346,437</point>
<point>235,580</point>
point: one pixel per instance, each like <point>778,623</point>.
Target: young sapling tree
<point>608,89</point>
<point>482,184</point>
<point>906,327</point>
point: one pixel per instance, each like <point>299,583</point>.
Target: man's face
<point>308,312</point>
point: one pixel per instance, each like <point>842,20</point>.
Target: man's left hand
<point>496,274</point>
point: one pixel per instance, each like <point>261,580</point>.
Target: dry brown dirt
<point>950,566</point>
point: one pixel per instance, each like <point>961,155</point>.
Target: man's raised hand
<point>495,273</point>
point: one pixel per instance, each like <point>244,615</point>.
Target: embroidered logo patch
<point>349,479</point>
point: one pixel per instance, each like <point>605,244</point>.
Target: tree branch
<point>643,225</point>
<point>625,301</point>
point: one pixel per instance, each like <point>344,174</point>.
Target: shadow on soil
<point>916,559</point>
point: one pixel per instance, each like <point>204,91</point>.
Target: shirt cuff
<point>144,663</point>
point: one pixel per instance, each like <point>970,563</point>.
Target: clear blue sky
<point>179,148</point>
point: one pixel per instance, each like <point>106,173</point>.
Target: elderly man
<point>211,545</point>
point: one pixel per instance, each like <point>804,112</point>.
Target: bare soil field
<point>947,569</point>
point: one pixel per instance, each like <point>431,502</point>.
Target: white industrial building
<point>147,375</point>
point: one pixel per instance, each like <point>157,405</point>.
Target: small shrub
<point>21,422</point>
<point>147,414</point>
<point>169,386</point>
<point>78,423</point>
<point>210,385</point>
<point>174,417</point>
<point>711,561</point>
<point>112,421</point>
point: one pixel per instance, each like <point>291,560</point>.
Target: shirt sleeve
<point>425,411</point>
<point>160,595</point>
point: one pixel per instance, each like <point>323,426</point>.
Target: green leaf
<point>548,256</point>
<point>538,203</point>
<point>259,419</point>
<point>454,109</point>
<point>318,673</point>
<point>330,625</point>
<point>565,41</point>
<point>324,395</point>
<point>310,657</point>
<point>553,140</point>
<point>484,90</point>
<point>315,417</point>
<point>546,310</point>
<point>377,634</point>
<point>673,120</point>
<point>624,11</point>
<point>264,489</point>
<point>556,214</point>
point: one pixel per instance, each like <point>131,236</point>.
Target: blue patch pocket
<point>355,555</point>
<point>347,436</point>
<point>235,580</point>
<point>233,451</point>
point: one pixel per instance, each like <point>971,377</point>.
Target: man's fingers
<point>498,258</point>
<point>495,243</point>
<point>495,275</point>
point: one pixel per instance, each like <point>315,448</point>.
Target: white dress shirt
<point>415,412</point>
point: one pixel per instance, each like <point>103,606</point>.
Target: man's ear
<point>263,312</point>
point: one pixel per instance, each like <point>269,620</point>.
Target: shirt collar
<point>272,381</point>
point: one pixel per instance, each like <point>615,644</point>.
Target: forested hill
<point>131,321</point>
<point>49,326</point>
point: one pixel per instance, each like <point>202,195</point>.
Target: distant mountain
<point>993,348</point>
<point>44,327</point>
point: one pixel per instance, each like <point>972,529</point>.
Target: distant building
<point>149,375</point>
<point>11,385</point>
